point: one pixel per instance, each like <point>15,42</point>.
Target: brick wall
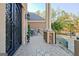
<point>37,25</point>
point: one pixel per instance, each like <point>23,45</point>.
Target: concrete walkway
<point>38,47</point>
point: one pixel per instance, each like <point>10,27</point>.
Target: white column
<point>48,23</point>
<point>48,20</point>
<point>46,17</point>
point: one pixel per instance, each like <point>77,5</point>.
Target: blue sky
<point>32,7</point>
<point>68,7</point>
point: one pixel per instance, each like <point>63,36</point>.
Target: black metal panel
<point>13,27</point>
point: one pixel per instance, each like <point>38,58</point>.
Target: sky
<point>33,7</point>
<point>68,7</point>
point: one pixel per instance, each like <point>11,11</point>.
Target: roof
<point>34,16</point>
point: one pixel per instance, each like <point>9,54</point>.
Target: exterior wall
<point>24,23</point>
<point>2,29</point>
<point>37,25</point>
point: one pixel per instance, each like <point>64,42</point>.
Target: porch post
<point>50,35</point>
<point>48,20</point>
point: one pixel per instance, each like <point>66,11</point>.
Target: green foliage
<point>57,26</point>
<point>61,23</point>
<point>29,29</point>
<point>77,21</point>
<point>28,18</point>
<point>70,26</point>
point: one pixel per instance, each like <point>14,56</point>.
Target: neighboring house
<point>36,21</point>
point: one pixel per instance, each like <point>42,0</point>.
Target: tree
<point>57,26</point>
<point>77,21</point>
<point>64,20</point>
<point>67,21</point>
<point>70,25</point>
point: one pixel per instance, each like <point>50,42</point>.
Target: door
<point>13,27</point>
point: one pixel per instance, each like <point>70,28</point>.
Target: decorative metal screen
<point>13,27</point>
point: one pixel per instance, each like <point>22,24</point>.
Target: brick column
<point>50,35</point>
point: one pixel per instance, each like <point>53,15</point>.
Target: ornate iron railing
<point>13,27</point>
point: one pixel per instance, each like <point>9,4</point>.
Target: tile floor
<point>38,47</point>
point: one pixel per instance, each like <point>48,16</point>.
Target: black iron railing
<point>13,27</point>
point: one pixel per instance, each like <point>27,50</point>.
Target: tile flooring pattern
<point>38,47</point>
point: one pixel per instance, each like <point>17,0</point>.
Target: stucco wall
<point>2,28</point>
